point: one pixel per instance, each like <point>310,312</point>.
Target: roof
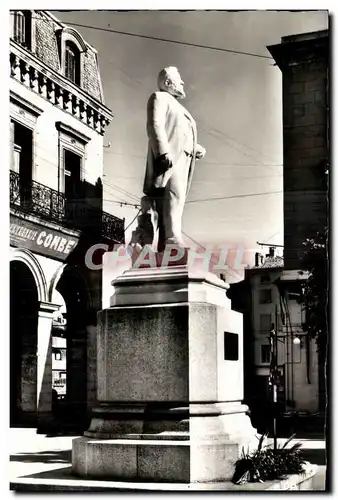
<point>65,25</point>
<point>302,37</point>
<point>270,262</point>
<point>276,261</point>
<point>301,48</point>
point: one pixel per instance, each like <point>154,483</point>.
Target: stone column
<point>44,365</point>
<point>170,382</point>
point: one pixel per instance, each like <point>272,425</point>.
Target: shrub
<point>267,464</point>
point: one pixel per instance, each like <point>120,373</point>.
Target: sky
<point>236,195</point>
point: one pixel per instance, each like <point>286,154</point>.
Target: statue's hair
<point>164,74</point>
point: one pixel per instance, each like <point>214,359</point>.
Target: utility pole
<point>274,373</point>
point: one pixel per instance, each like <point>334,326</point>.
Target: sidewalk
<point>32,453</point>
<point>38,462</point>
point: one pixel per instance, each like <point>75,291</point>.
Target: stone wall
<point>91,82</point>
<point>305,155</point>
<point>45,40</point>
<point>303,60</point>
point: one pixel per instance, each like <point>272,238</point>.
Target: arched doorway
<point>72,287</point>
<point>24,306</point>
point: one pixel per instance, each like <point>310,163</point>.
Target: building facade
<point>270,304</point>
<point>57,123</point>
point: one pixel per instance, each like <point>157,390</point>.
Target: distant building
<point>268,302</point>
<point>57,122</point>
<point>59,352</point>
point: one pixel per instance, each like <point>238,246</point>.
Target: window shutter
<point>70,64</point>
<point>19,27</point>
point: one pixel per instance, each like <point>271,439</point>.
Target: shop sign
<point>41,239</point>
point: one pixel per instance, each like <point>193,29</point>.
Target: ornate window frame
<point>74,141</point>
<point>71,35</point>
<point>25,113</point>
<point>30,21</point>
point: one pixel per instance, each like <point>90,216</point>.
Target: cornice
<point>23,103</point>
<point>29,70</point>
<point>300,50</point>
<point>63,127</point>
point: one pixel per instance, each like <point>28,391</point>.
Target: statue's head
<point>169,80</point>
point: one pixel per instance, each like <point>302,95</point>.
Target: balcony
<point>30,71</point>
<point>40,200</point>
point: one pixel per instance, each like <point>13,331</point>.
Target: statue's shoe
<point>176,241</point>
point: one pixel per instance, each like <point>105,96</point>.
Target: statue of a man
<point>172,151</point>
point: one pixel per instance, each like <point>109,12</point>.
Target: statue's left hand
<point>200,152</point>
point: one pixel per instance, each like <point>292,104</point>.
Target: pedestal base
<point>168,285</point>
<point>199,443</point>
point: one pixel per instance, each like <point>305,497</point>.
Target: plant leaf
<point>288,441</point>
<point>260,443</point>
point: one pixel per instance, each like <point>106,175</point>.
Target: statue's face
<point>175,85</point>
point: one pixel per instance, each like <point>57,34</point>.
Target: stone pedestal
<point>170,382</point>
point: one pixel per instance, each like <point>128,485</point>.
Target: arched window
<point>21,27</point>
<point>72,48</point>
<point>72,62</point>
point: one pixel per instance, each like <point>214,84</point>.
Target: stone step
<point>60,480</point>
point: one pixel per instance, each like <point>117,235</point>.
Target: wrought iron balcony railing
<point>112,225</point>
<point>47,203</point>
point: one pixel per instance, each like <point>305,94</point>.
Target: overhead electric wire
<point>121,203</point>
<point>221,49</point>
<point>230,197</point>
<point>219,163</point>
<point>119,193</point>
<point>233,197</point>
<point>237,146</point>
<point>130,223</point>
<point>246,146</point>
<point>269,238</point>
<point>123,193</point>
<point>38,158</point>
<point>252,177</point>
<point>173,41</point>
<point>158,39</point>
<point>228,269</point>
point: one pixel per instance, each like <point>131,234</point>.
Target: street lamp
<point>274,374</point>
<point>273,338</point>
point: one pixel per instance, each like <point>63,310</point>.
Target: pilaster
<point>44,364</point>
